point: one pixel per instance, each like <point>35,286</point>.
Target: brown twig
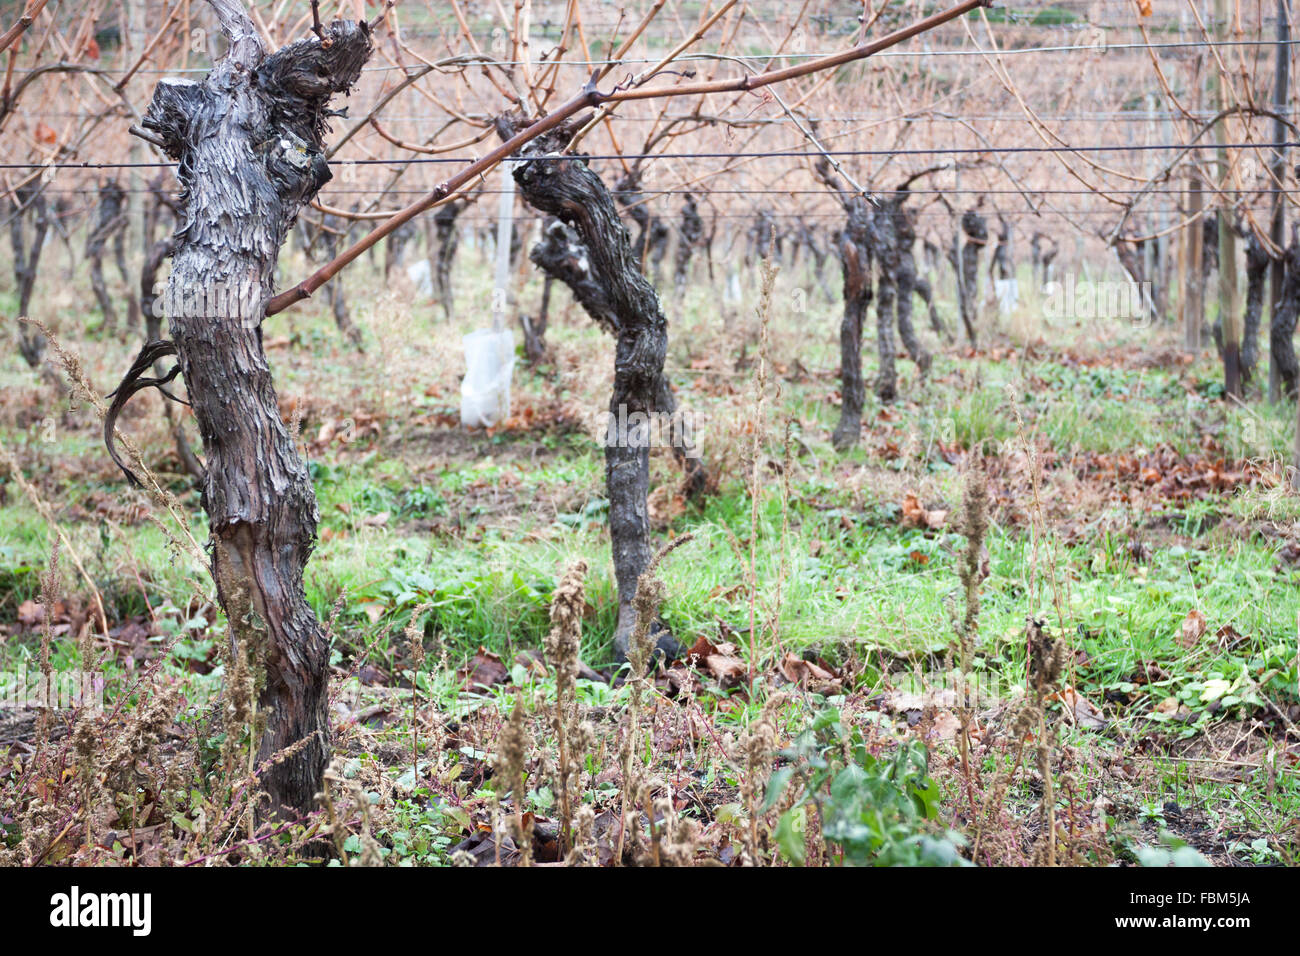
<point>591,97</point>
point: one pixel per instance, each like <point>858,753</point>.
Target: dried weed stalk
<point>562,647</point>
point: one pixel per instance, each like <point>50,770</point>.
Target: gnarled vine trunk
<point>1131,259</point>
<point>30,203</point>
<point>395,248</point>
<point>110,223</point>
<point>442,251</point>
<point>976,230</point>
<point>1258,262</point>
<point>159,253</point>
<point>925,292</point>
<point>906,280</point>
<point>884,246</point>
<point>610,286</point>
<point>1283,321</point>
<point>689,235</point>
<point>1001,265</point>
<point>249,140</point>
<point>1048,258</point>
<point>855,259</point>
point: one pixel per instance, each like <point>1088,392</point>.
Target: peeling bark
<point>610,286</point>
<point>249,140</point>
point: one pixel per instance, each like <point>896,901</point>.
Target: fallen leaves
<point>719,661</point>
<point>1170,708</point>
<point>357,427</point>
<point>31,614</point>
<point>1227,637</point>
<point>484,671</point>
<point>1166,474</point>
<point>814,676</point>
<point>1192,630</point>
<point>945,726</point>
<point>1086,714</point>
<point>916,515</point>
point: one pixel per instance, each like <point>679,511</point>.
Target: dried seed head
<point>564,641</point>
<point>415,638</point>
<point>650,592</point>
<point>513,746</point>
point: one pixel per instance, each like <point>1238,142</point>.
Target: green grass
<point>480,531</point>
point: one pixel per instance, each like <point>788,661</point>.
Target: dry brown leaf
<point>916,515</point>
<point>1086,713</point>
<point>717,660</point>
<point>532,660</point>
<point>484,671</point>
<point>1228,637</point>
<point>946,726</point>
<point>374,610</point>
<point>723,593</point>
<point>1193,628</point>
<point>811,675</point>
<point>727,670</point>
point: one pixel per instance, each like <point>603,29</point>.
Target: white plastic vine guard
<point>421,276</point>
<point>1008,295</point>
<point>489,366</point>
